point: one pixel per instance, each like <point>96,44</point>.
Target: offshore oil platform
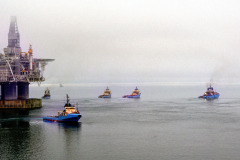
<point>17,70</point>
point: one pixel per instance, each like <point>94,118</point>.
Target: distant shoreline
<point>134,84</point>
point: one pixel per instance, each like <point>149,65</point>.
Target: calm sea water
<point>168,122</point>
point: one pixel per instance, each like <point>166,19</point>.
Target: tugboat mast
<point>67,104</point>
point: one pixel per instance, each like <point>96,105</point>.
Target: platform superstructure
<point>17,68</point>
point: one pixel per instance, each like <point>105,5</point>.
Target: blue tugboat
<point>136,94</point>
<point>210,94</point>
<point>47,94</point>
<point>69,115</point>
<point>107,93</point>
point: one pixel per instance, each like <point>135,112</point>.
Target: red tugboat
<point>69,115</point>
<point>210,94</point>
<point>47,94</point>
<point>136,94</point>
<point>107,94</point>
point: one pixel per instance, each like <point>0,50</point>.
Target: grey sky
<point>130,40</point>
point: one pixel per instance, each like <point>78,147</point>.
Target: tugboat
<point>136,94</point>
<point>210,94</point>
<point>69,115</point>
<point>107,93</point>
<point>46,94</point>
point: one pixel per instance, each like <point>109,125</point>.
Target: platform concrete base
<point>21,104</point>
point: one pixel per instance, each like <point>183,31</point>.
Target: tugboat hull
<point>66,119</point>
<point>210,97</point>
<point>46,97</point>
<point>131,96</point>
<point>102,96</point>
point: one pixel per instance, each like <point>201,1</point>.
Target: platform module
<point>17,68</point>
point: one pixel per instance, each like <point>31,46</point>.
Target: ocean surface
<point>168,122</point>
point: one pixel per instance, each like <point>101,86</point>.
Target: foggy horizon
<point>129,41</point>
